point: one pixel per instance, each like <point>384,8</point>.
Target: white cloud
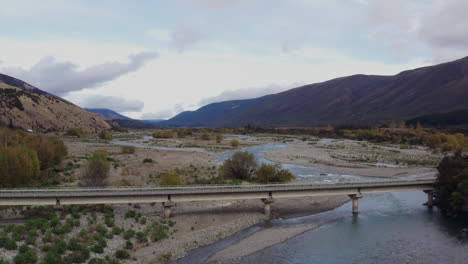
<point>60,78</point>
<point>164,114</point>
<point>159,34</point>
<point>216,4</point>
<point>247,93</point>
<point>114,103</point>
<point>185,36</point>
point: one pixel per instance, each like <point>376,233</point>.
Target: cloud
<point>216,4</point>
<point>159,34</point>
<point>445,30</point>
<point>163,114</point>
<point>185,36</point>
<point>114,103</point>
<point>61,78</point>
<point>247,93</point>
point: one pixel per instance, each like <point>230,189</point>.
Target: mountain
<point>27,107</point>
<point>454,118</point>
<point>107,113</point>
<point>352,100</point>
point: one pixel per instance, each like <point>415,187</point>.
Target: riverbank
<point>352,157</point>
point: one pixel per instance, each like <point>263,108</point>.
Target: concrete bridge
<point>169,195</point>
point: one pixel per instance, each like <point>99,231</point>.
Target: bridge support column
<point>430,198</point>
<point>58,207</point>
<point>267,206</point>
<point>168,208</point>
<point>355,198</point>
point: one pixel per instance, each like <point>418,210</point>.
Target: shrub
<point>96,261</point>
<point>75,132</point>
<point>205,136</point>
<point>158,232</point>
<point>273,173</point>
<point>240,166</point>
<point>163,134</point>
<point>130,214</point>
<point>219,138</point>
<point>105,134</point>
<point>235,143</point>
<point>96,171</point>
<point>25,256</point>
<point>52,257</point>
<point>10,244</point>
<point>127,149</point>
<point>19,166</point>
<point>128,234</point>
<point>122,254</point>
<point>97,249</point>
<point>142,237</point>
<point>148,160</point>
<point>170,178</point>
<point>129,244</point>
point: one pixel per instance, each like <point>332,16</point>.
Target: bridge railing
<point>116,190</point>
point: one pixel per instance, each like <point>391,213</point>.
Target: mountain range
<point>352,100</point>
<point>29,108</point>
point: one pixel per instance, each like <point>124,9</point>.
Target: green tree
<point>96,171</point>
<point>240,166</point>
<point>451,189</point>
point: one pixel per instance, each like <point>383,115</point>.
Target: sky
<point>154,59</point>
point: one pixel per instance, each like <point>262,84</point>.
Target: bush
<point>52,257</point>
<point>205,136</point>
<point>96,261</point>
<point>240,166</point>
<point>170,178</point>
<point>142,237</point>
<point>19,166</point>
<point>96,171</point>
<point>130,214</point>
<point>25,256</point>
<point>127,149</point>
<point>163,134</point>
<point>129,244</point>
<point>97,249</point>
<point>105,134</point>
<point>122,254</point>
<point>235,143</point>
<point>10,244</point>
<point>75,132</point>
<point>128,234</point>
<point>148,160</point>
<point>219,138</point>
<point>272,173</point>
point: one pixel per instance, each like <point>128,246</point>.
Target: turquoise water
<point>390,228</point>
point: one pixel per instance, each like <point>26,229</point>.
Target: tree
<point>96,171</point>
<point>451,189</point>
<point>240,166</point>
<point>272,173</point>
<point>19,166</point>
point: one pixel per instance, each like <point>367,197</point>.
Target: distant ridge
<point>353,100</point>
<point>107,113</point>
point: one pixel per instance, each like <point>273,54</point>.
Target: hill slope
<point>31,108</point>
<point>357,99</point>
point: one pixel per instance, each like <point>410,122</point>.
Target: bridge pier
<point>430,198</point>
<point>267,206</point>
<point>168,208</point>
<point>355,198</point>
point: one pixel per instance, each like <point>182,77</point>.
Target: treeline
<point>395,134</point>
<point>25,159</point>
<point>451,188</point>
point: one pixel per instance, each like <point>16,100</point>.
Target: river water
<point>390,228</point>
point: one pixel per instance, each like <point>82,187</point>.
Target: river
<point>390,228</point>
